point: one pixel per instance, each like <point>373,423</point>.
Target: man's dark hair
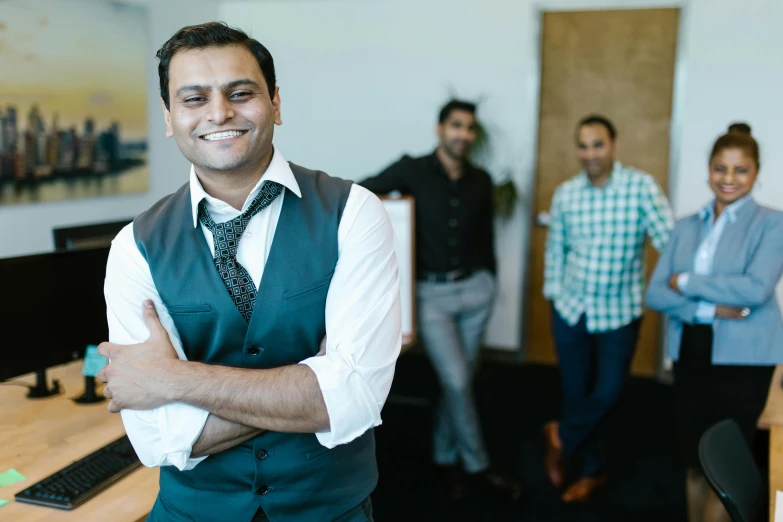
<point>595,119</point>
<point>212,34</point>
<point>455,105</point>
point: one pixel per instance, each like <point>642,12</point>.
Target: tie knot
<point>226,235</point>
<point>226,238</point>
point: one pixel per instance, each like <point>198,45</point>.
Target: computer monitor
<point>87,236</point>
<point>53,307</point>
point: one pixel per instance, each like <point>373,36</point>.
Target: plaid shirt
<point>594,261</point>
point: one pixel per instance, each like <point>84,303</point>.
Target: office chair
<point>731,471</point>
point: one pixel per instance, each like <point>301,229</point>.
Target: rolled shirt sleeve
<point>363,322</point>
<point>659,218</point>
<point>555,251</point>
<point>163,436</point>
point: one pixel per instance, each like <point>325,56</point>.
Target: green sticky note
<point>93,362</point>
<point>10,477</point>
<point>3,502</point>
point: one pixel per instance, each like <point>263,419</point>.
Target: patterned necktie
<point>226,238</point>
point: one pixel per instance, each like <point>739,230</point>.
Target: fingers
<point>151,319</point>
<point>106,349</point>
<point>102,375</point>
<point>113,407</point>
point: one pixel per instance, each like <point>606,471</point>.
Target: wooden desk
<point>41,436</point>
<point>772,419</point>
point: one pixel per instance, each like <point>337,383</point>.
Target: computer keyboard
<point>85,478</point>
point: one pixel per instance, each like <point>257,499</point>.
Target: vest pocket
<point>310,287</point>
<point>317,453</point>
<point>189,308</point>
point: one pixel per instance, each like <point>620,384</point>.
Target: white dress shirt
<point>363,317</point>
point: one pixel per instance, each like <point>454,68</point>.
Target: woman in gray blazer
<point>716,283</point>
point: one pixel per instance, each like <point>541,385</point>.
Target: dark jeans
<point>593,370</point>
<point>361,513</point>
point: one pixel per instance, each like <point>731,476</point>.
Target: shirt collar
<point>611,184</point>
<point>279,171</point>
<point>708,211</point>
<point>467,166</point>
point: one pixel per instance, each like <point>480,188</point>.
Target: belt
<point>445,277</point>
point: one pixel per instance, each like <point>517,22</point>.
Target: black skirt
<point>706,393</point>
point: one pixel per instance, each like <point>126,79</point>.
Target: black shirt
<point>454,219</point>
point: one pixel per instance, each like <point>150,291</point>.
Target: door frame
<point>534,102</point>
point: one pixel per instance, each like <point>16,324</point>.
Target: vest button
<point>253,350</point>
<point>262,454</point>
<point>263,490</point>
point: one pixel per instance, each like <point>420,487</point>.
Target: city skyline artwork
<point>73,100</point>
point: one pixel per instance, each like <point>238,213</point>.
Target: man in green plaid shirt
<point>594,278</point>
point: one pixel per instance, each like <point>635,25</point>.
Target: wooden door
<point>619,64</point>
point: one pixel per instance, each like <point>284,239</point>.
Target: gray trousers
<point>452,320</point>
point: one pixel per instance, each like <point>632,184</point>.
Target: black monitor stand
<point>89,397</point>
<point>41,388</point>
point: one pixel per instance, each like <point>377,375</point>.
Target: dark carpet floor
<point>514,401</point>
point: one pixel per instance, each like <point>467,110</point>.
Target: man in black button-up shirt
<point>455,268</point>
<point>454,222</point>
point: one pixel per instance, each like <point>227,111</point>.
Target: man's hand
<point>136,374</point>
<point>731,312</point>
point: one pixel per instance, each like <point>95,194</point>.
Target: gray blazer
<point>747,266</point>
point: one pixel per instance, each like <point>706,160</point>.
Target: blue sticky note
<point>3,502</point>
<point>93,362</point>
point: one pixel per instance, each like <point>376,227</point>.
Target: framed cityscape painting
<point>73,99</point>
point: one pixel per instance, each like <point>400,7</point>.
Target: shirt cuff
<point>350,404</point>
<point>682,280</point>
<point>705,313</point>
<point>185,424</point>
<point>165,436</point>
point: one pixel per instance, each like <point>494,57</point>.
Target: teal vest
<point>290,475</point>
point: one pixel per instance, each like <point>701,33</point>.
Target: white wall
<point>731,78</point>
<point>733,73</point>
<point>361,81</point>
<point>27,228</point>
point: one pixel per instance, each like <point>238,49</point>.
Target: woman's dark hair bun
<point>740,127</point>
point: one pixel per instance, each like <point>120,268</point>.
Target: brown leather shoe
<point>554,449</point>
<point>583,489</point>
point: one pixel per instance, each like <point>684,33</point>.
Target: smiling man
<point>594,278</point>
<point>258,365</point>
